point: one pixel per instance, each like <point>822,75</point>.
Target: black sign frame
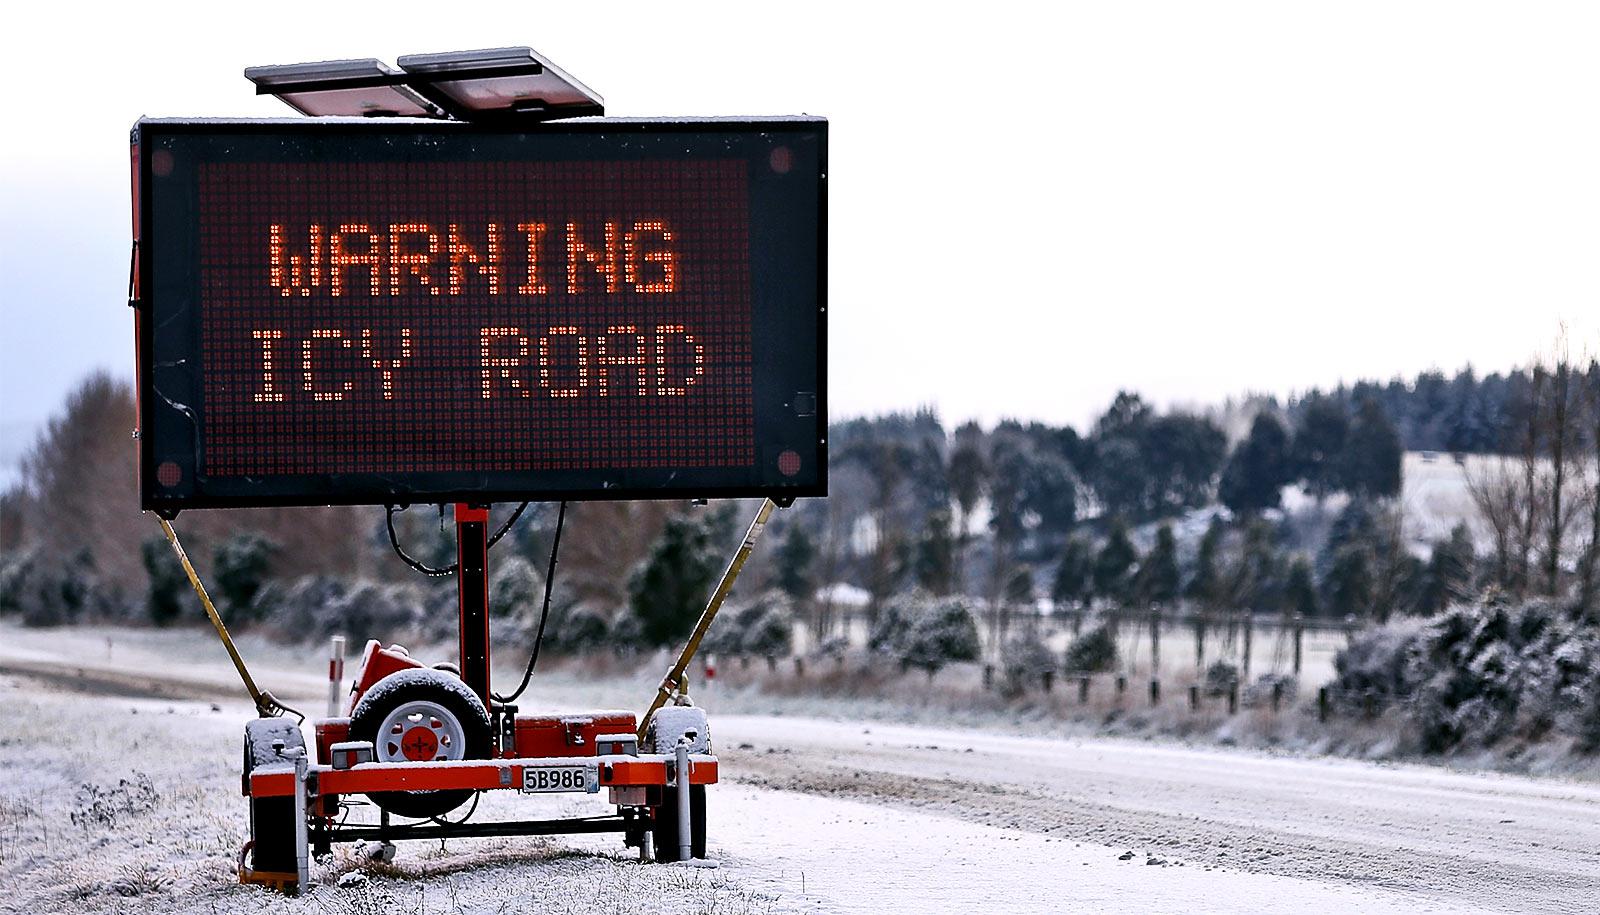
<point>788,301</point>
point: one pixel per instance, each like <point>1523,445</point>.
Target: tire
<point>434,696</point>
<point>271,818</point>
<point>664,828</point>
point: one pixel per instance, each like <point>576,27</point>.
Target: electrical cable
<point>544,614</point>
<point>394,541</point>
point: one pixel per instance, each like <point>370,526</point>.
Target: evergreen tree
<point>1448,576</point>
<point>668,591</point>
<point>1205,587</point>
<point>1019,588</point>
<point>1300,589</point>
<point>1157,582</point>
<point>1256,583</point>
<point>164,600</point>
<point>935,562</point>
<point>1074,579</point>
<point>1318,445</point>
<point>1114,567</point>
<point>1255,475</point>
<point>241,565</point>
<point>1348,587</point>
<point>795,555</point>
<point>1372,453</point>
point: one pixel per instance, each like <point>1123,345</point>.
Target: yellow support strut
<point>674,678</point>
<point>266,705</point>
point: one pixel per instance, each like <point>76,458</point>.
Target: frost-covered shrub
<point>769,627</point>
<point>1093,651</point>
<point>1372,672</point>
<point>1260,692</point>
<point>893,624</point>
<point>1023,660</point>
<point>1220,679</point>
<point>943,631</point>
<point>241,566</point>
<point>576,630</point>
<point>373,610</point>
<point>516,589</point>
<point>44,593</point>
<point>1476,675</point>
<point>297,609</point>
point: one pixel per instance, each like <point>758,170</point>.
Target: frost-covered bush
<point>1023,660</point>
<point>297,609</point>
<point>1221,677</point>
<point>763,627</point>
<point>516,589</point>
<point>1260,692</point>
<point>1476,675</point>
<point>1093,651</point>
<point>576,630</point>
<point>942,631</point>
<point>893,624</point>
<point>240,568</point>
<point>44,593</point>
<point>1371,672</point>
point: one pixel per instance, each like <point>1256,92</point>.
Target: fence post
<point>1083,689</point>
<point>988,677</point>
<point>1049,678</point>
<point>1233,697</point>
<point>1299,637</point>
<point>1155,691</point>
<point>1277,695</point>
<point>1249,629</point>
<point>1194,698</point>
<point>1155,644</point>
<point>1322,704</point>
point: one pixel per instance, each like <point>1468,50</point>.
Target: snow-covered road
<point>814,815</point>
<point>1253,832</point>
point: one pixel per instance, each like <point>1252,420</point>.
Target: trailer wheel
<point>421,715</point>
<point>271,818</point>
<point>664,827</point>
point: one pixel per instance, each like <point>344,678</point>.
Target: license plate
<point>539,779</point>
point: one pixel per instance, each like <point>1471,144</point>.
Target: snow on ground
<point>119,793</point>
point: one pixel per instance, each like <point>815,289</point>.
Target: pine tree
<point>794,559</point>
<point>668,591</point>
<point>1300,590</point>
<point>1114,567</point>
<point>1318,444</point>
<point>1348,587</point>
<point>1372,453</point>
<point>1074,579</point>
<point>1205,587</point>
<point>1157,583</point>
<point>1255,475</point>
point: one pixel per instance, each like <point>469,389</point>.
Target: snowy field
<point>119,793</point>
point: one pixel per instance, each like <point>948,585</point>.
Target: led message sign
<point>354,312</point>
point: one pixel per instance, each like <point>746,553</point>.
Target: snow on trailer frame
<point>298,291</point>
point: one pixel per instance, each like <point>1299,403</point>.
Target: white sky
<point>1032,205</point>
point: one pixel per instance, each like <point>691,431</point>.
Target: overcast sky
<point>1029,210</point>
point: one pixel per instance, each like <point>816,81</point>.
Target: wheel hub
<point>420,731</point>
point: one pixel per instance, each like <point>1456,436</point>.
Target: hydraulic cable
<point>394,541</point>
<point>544,614</point>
